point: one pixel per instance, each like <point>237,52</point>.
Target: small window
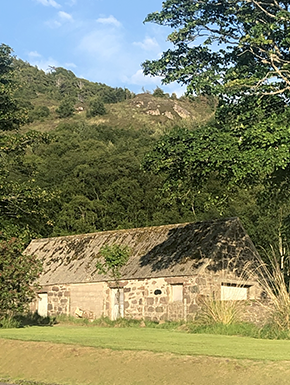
<point>177,293</point>
<point>157,292</point>
<point>234,292</point>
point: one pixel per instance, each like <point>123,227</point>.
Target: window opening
<point>234,292</point>
<point>177,293</point>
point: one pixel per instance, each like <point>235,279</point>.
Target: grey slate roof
<point>161,251</point>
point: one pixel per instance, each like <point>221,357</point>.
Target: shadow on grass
<point>28,319</point>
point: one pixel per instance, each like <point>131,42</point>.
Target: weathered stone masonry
<point>170,270</point>
<point>149,299</point>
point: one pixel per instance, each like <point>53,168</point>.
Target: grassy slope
<point>71,364</point>
<point>157,341</point>
<point>134,113</point>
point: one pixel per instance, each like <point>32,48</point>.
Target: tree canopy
<point>12,115</point>
<point>18,273</point>
<point>226,46</point>
<point>238,50</point>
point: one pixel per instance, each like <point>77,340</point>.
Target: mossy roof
<point>161,251</point>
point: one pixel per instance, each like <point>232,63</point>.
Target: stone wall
<point>155,299</point>
<point>58,300</point>
<point>152,299</point>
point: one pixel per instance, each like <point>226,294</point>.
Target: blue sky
<point>100,40</point>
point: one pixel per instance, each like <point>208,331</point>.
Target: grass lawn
<point>156,340</point>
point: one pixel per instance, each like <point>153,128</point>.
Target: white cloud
<point>36,59</point>
<point>70,65</point>
<point>34,54</point>
<point>49,3</point>
<point>148,44</point>
<point>53,24</point>
<point>101,45</point>
<point>62,18</point>
<point>111,20</point>
<point>45,64</point>
<point>138,78</point>
<point>65,16</point>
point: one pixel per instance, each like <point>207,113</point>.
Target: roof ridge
<point>175,225</point>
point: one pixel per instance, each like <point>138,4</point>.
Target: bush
<point>65,109</point>
<point>9,323</point>
<point>39,113</point>
<point>159,93</point>
<point>96,107</point>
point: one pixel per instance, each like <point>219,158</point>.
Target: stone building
<point>170,270</point>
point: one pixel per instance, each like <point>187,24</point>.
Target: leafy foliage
<point>66,108</point>
<point>96,107</point>
<point>115,256</point>
<point>12,115</point>
<point>24,206</point>
<point>225,47</point>
<point>18,273</point>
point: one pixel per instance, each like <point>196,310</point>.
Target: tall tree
<point>12,115</point>
<point>225,46</point>
<point>22,202</point>
<point>18,273</point>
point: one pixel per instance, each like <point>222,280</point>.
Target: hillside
<point>43,94</point>
<point>80,170</point>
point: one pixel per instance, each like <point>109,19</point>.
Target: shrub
<point>96,107</point>
<point>159,93</point>
<point>9,323</point>
<point>66,108</point>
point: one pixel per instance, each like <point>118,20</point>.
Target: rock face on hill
<point>147,110</point>
<point>171,109</point>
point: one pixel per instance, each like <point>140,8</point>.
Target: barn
<point>170,270</point>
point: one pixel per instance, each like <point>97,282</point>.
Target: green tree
<point>228,46</point>
<point>22,201</point>
<point>18,274</point>
<point>66,108</point>
<point>11,114</point>
<point>115,257</point>
<point>39,113</point>
<point>213,166</point>
<point>159,93</point>
<point>96,107</point>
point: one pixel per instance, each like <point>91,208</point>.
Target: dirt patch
<point>69,364</point>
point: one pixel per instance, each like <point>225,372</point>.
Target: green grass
<point>156,340</point>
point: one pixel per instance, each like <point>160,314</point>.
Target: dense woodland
<point>67,167</point>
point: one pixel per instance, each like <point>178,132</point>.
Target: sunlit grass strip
<point>156,340</point>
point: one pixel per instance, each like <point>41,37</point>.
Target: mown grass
<point>156,340</point>
<point>242,329</point>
